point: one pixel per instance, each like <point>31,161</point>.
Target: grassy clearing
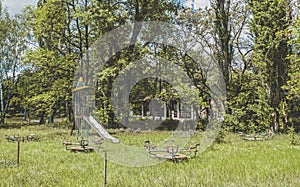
<point>235,163</point>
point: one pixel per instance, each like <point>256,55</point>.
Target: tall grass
<point>235,163</point>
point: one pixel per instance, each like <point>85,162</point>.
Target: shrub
<point>293,136</point>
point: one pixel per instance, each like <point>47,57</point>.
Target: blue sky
<point>15,6</point>
<point>198,3</point>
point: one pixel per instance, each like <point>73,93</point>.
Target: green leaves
<point>13,43</point>
<point>53,80</point>
<point>248,104</point>
<point>269,24</point>
<point>292,87</point>
<point>257,84</point>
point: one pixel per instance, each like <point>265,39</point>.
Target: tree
<point>290,106</point>
<point>64,30</point>
<point>223,32</point>
<point>13,45</point>
<point>51,92</point>
<point>269,23</point>
<point>137,11</point>
<point>223,36</point>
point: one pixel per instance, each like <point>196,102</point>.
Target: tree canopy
<point>255,43</point>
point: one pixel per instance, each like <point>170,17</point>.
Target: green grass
<point>235,163</point>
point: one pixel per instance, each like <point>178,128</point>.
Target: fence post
<point>18,156</point>
<point>105,169</point>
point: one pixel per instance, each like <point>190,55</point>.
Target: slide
<point>99,129</point>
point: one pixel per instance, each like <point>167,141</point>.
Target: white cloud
<point>15,6</point>
<point>198,3</point>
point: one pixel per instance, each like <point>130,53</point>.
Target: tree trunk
<point>42,119</point>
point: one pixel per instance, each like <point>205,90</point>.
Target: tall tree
<point>291,109</point>
<point>269,23</point>
<point>137,11</point>
<point>222,28</point>
<point>64,31</point>
<point>223,35</point>
<point>12,47</point>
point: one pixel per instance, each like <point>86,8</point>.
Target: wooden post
<point>18,156</point>
<point>105,169</point>
<point>165,111</point>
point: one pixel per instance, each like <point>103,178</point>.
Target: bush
<point>221,136</point>
<point>293,136</point>
<point>202,124</point>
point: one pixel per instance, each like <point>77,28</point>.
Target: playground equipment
<point>91,130</point>
<point>171,152</point>
<point>83,107</point>
<point>174,149</point>
<point>30,137</point>
<point>82,146</point>
<point>11,138</point>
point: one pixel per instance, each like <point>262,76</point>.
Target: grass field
<point>235,163</point>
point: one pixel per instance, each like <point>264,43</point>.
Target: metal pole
<point>105,169</point>
<point>18,158</point>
